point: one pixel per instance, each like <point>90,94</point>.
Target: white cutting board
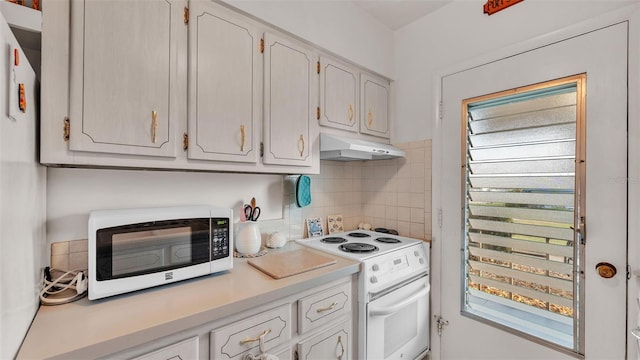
<point>290,263</point>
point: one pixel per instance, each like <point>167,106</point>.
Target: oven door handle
<point>374,311</point>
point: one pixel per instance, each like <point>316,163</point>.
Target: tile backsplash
<point>394,194</point>
<point>69,255</point>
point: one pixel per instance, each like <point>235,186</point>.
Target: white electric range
<point>393,291</point>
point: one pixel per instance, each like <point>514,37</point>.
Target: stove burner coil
<point>334,240</point>
<point>359,235</point>
<point>358,248</point>
<point>386,231</point>
<point>387,240</point>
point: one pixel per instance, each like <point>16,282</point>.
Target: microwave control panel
<point>219,238</point>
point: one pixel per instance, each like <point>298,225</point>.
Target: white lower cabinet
<point>187,349</point>
<point>334,343</point>
<point>317,337</point>
<point>312,324</point>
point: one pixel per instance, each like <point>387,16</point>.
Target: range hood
<point>340,148</point>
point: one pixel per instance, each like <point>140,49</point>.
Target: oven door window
<point>398,322</point>
<point>138,249</point>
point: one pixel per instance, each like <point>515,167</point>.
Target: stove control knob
<point>374,279</point>
<point>421,260</point>
<point>375,267</point>
<point>416,253</point>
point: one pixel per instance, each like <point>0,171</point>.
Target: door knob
<point>606,270</point>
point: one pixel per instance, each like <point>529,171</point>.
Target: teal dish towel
<point>303,191</point>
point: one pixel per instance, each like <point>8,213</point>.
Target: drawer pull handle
<point>350,114</point>
<point>330,307</point>
<point>154,126</point>
<point>636,333</point>
<point>241,138</point>
<point>257,338</point>
<point>339,348</point>
<point>301,141</point>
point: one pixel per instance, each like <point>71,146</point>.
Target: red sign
<point>493,6</point>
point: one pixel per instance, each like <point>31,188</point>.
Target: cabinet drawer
<point>334,343</point>
<point>235,340</point>
<point>187,349</point>
<point>322,307</point>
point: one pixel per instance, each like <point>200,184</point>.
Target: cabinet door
<point>338,95</point>
<point>225,78</point>
<point>290,102</point>
<point>331,344</point>
<point>374,97</point>
<point>126,85</point>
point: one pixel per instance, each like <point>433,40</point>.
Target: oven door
<point>398,322</point>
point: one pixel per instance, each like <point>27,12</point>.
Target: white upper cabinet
<point>225,78</point>
<point>290,102</point>
<point>338,95</point>
<point>125,87</point>
<point>374,109</point>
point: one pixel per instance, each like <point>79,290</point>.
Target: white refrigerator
<point>22,195</point>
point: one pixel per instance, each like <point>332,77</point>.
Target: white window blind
<point>519,193</point>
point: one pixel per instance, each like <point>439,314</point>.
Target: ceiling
<point>398,13</point>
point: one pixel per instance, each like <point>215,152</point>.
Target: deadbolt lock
<point>606,270</point>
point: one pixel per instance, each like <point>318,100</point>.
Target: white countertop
<point>91,329</point>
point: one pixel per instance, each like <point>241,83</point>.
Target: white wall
<point>73,193</point>
<point>459,31</point>
<point>338,26</point>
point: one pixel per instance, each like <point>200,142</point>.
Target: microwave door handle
<point>375,311</point>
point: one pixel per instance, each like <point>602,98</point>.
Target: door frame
<point>631,14</point>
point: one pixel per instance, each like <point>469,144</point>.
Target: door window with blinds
<point>523,177</point>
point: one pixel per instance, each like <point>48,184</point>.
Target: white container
<point>248,238</point>
<point>276,240</point>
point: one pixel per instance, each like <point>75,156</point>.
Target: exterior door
<point>225,78</point>
<point>600,325</point>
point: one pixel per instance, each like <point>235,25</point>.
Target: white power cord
<point>68,287</point>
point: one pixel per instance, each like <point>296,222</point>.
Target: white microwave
<point>134,249</point>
